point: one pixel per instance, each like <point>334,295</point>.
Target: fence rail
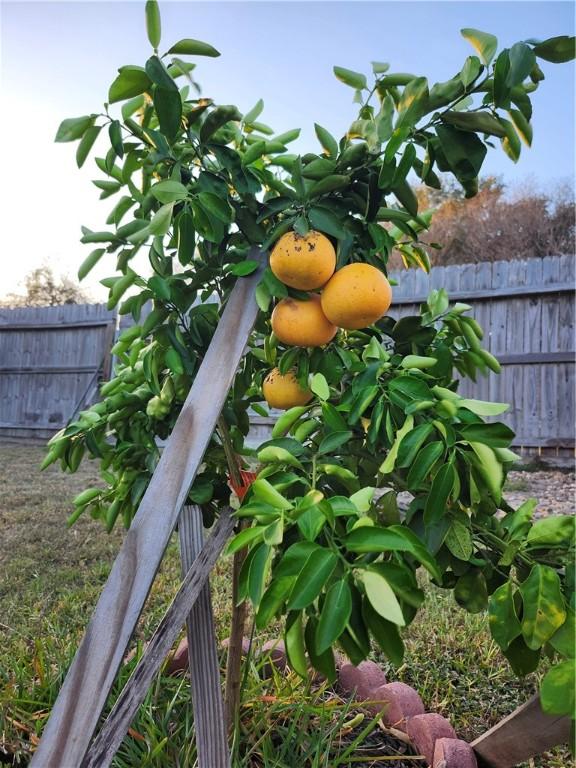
<point>52,358</point>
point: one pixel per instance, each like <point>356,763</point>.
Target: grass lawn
<point>50,579</point>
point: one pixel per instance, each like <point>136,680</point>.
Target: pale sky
<point>58,59</point>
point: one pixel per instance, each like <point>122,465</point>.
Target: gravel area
<point>554,490</point>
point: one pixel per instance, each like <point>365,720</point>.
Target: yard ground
<point>51,576</point>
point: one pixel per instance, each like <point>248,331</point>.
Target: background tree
<point>45,289</point>
<point>497,224</point>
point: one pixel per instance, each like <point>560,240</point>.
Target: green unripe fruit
<point>418,361</point>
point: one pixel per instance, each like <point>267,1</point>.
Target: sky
<point>57,60</point>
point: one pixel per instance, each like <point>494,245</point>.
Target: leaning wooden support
<point>114,730</point>
<point>209,724</point>
<point>83,695</point>
<point>527,732</point>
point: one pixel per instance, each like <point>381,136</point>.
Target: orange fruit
<point>283,391</point>
<point>305,262</point>
<point>302,323</point>
<point>356,296</point>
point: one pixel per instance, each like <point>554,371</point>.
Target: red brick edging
<point>402,709</point>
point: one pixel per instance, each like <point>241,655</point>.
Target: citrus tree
<point>371,402</point>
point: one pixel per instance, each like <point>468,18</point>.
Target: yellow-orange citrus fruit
<point>302,323</point>
<point>305,262</point>
<point>283,391</point>
<point>356,296</point>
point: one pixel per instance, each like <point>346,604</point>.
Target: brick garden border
<point>400,705</point>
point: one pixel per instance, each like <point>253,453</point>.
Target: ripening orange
<point>284,391</point>
<point>305,262</point>
<point>302,323</point>
<point>356,296</point>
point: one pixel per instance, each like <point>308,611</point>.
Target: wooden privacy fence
<point>51,359</point>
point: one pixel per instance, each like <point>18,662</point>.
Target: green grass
<point>50,579</point>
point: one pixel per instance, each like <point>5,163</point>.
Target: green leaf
<point>294,642</point>
<point>273,599</point>
<point>362,499</point>
<point>245,537</point>
<point>325,221</point>
<point>522,660</point>
<point>217,118</point>
<point>413,102</point>
<point>189,47</point>
<point>459,541</point>
<point>390,461</point>
<point>470,71</point>
<point>511,143</point>
<point>423,463</point>
<point>471,592</point>
<point>160,222</point>
<point>552,531</point>
<point>484,43</point>
<point>483,408</point>
<point>90,262</point>
<point>264,491</point>
<point>556,49</point>
<point>174,361</point>
<point>501,90</point>
<point>86,144</point>
<point>263,297</point>
<point>168,106</point>
<point>328,142</point>
<point>483,122</point>
<point>329,184</point>
<point>437,500</point>
<point>351,78</point>
<point>334,615</point>
<point>130,82</point>
<point>522,60</point>
<point>254,113</point>
<point>544,610</point>
<point>159,75</point>
<point>319,386</point>
<point>385,633</point>
<point>394,538</point>
<point>74,128</point>
<point>361,402</point>
<point>271,454</point>
<point>411,444</point>
<point>496,435</point>
<point>557,690</point>
<point>253,152</point>
<point>522,126</point>
<point>490,469</point>
<point>312,578</point>
<point>333,441</point>
<point>405,195</point>
<point>563,639</point>
<point>244,268</point>
<point>259,567</point>
<point>502,617</point>
<point>464,151</point>
<point>216,206</point>
<point>169,191</point>
<point>153,27</point>
<point>382,597</point>
<point>403,581</point>
<point>186,238</point>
